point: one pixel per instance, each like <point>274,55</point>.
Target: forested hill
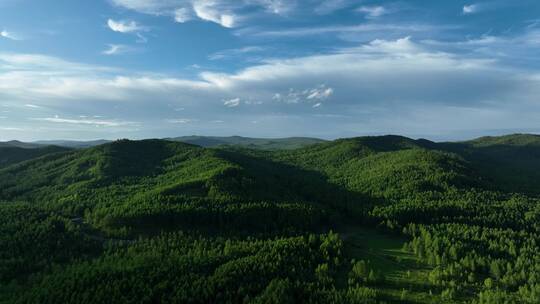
<point>10,155</point>
<point>163,221</point>
<point>511,162</point>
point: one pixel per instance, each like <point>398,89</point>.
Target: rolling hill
<point>167,221</point>
<point>511,162</point>
<point>10,155</point>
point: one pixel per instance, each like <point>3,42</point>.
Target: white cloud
<point>155,7</point>
<point>12,129</point>
<point>231,103</point>
<point>226,13</point>
<point>399,46</point>
<point>182,15</point>
<point>208,10</point>
<point>383,79</point>
<point>470,9</point>
<point>125,26</point>
<point>32,106</point>
<point>181,120</point>
<point>293,96</point>
<point>330,6</point>
<point>9,35</point>
<point>279,7</point>
<point>320,93</point>
<point>345,29</point>
<point>372,11</point>
<point>116,49</point>
<point>94,122</point>
<point>510,49</point>
<point>234,52</point>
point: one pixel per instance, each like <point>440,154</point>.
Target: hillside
<point>510,163</point>
<point>513,140</point>
<point>171,178</point>
<point>14,154</point>
<point>166,221</point>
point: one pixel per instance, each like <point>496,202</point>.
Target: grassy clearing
<point>406,278</point>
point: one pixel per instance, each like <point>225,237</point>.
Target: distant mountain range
<point>248,142</point>
<point>203,141</point>
<point>19,144</point>
<point>74,144</point>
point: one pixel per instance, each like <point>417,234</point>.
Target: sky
<point>442,70</point>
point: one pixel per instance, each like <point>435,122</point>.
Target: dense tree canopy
<point>166,222</point>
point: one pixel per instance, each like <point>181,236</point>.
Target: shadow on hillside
<point>283,182</point>
<point>504,167</point>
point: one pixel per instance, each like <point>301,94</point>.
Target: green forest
<point>380,219</point>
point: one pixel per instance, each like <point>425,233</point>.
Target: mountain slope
<point>511,163</point>
<point>386,166</point>
<point>137,183</point>
<point>13,155</point>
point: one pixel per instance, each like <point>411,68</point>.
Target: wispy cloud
<point>208,11</point>
<point>330,6</point>
<point>320,93</point>
<point>231,53</point>
<point>227,13</point>
<point>125,26</point>
<point>86,121</point>
<point>278,7</point>
<point>9,35</point>
<point>293,96</point>
<point>182,15</point>
<point>344,29</point>
<point>470,9</point>
<point>231,103</point>
<point>181,120</point>
<point>116,49</point>
<point>12,129</point>
<point>372,11</point>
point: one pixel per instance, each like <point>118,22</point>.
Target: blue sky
<point>443,70</point>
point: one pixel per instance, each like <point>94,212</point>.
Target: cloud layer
<point>370,83</point>
<point>227,13</point>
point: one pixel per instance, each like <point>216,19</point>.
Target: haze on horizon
<point>442,70</point>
